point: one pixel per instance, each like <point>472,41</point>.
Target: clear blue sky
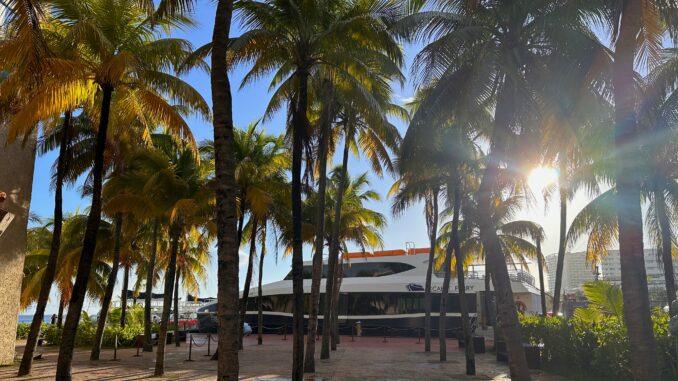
<point>249,105</point>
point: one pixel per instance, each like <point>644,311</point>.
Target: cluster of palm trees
<point>502,86</point>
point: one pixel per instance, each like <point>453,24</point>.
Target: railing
<point>514,275</point>
<point>521,276</point>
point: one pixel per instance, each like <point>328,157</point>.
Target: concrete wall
<point>16,179</point>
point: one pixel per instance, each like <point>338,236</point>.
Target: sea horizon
<point>28,318</point>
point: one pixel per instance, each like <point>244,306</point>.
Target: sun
<point>541,177</point>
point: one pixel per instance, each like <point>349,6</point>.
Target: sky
<point>248,105</point>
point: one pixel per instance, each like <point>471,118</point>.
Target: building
<point>576,272</point>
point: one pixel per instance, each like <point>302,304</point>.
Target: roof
<point>388,253</point>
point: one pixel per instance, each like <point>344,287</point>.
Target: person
<point>54,318</point>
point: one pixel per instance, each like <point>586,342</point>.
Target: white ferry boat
<point>380,289</point>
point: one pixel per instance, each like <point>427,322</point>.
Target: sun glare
<point>541,177</point>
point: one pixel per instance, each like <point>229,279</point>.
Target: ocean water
<point>29,318</point>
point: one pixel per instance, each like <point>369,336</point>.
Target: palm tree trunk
<point>227,247</point>
<point>108,295</point>
<point>123,297</point>
<point>299,125</point>
<point>665,251</point>
<point>175,231</point>
<point>241,221</point>
<point>88,245</point>
<point>248,278</point>
<point>333,257</point>
<point>463,303</point>
<point>50,269</point>
<point>60,315</point>
<point>495,258</point>
<point>176,309</point>
<point>447,264</point>
<point>260,306</point>
<point>563,233</point>
<point>432,224</point>
<point>325,124</point>
<point>148,297</point>
<point>540,265</point>
<point>487,318</point>
<point>630,219</point>
<point>336,339</point>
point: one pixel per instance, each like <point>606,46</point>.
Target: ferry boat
<point>382,289</point>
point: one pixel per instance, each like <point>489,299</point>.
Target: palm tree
<point>636,28</point>
<point>577,121</point>
<point>192,262</point>
<point>113,69</point>
<point>414,186</point>
<point>492,54</point>
<point>38,254</point>
<point>322,130</point>
<point>50,269</point>
<point>297,38</point>
<point>110,285</point>
<point>367,131</point>
<point>225,187</point>
<point>261,165</point>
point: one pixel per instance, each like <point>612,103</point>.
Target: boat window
<point>366,303</point>
<point>361,270</point>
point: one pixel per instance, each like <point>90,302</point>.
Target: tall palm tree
<point>366,131</point>
<point>224,173</point>
<point>110,285</point>
<point>261,165</point>
<point>492,53</point>
<point>577,120</point>
<point>635,28</point>
<point>294,39</point>
<point>111,69</point>
<point>414,186</point>
<point>322,127</point>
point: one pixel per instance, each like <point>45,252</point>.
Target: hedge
<point>595,350</point>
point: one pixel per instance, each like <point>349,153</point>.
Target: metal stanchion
<point>115,348</point>
<point>190,348</point>
<point>138,345</point>
<point>352,335</point>
<point>209,344</point>
<point>285,332</point>
<point>385,341</point>
<point>418,335</point>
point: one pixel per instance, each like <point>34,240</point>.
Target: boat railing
<point>515,275</point>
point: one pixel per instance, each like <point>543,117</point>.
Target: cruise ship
<point>381,289</point>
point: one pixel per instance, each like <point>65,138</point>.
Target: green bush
<point>22,330</point>
<point>595,349</point>
<point>87,331</point>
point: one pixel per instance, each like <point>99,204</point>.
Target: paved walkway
<point>363,359</point>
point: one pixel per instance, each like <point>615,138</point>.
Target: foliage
<point>595,349</point>
<point>606,300</point>
<point>87,329</point>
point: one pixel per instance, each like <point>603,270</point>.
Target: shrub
<point>595,349</point>
<point>22,330</point>
<point>87,331</point>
